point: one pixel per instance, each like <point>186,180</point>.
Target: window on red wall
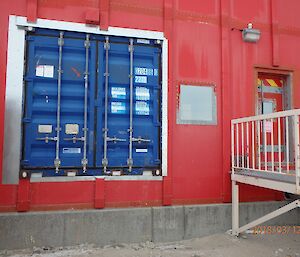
<point>197,105</point>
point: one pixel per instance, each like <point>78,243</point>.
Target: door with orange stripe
<point>273,96</point>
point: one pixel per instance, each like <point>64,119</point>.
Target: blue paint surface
<point>40,103</point>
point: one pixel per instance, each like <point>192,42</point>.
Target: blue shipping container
<point>92,104</point>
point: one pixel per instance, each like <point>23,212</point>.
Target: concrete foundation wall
<point>112,226</point>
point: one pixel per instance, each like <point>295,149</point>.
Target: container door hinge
<point>27,120</point>
<point>24,162</point>
<point>157,161</point>
<point>28,79</point>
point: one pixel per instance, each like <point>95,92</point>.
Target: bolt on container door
<point>130,94</point>
<point>59,89</point>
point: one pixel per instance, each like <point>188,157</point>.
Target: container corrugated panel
<point>41,104</point>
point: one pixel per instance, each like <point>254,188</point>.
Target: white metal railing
<point>267,143</point>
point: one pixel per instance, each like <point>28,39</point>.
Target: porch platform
<point>265,152</point>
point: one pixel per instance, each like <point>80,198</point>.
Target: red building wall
<point>205,47</point>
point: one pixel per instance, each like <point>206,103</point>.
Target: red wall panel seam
<point>275,33</point>
<point>226,95</point>
<point>32,6</point>
<point>168,30</point>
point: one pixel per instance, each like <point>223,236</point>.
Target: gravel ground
<point>219,245</point>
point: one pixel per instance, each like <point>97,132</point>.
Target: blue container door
<point>42,100</point>
<point>146,107</point>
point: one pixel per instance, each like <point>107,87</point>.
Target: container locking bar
<point>57,161</point>
<point>105,136</point>
<point>84,161</point>
<point>130,130</point>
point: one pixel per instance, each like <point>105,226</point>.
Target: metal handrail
<point>257,144</point>
<point>267,116</point>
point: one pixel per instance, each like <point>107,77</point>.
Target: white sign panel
<point>46,71</point>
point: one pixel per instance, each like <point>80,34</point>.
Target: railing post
<point>297,152</point>
<point>232,147</point>
<point>235,208</point>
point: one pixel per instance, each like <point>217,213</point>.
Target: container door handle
<point>115,139</point>
<point>140,140</point>
<point>47,139</point>
<point>74,139</point>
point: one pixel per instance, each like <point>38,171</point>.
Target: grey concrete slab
<point>202,220</point>
<point>115,226</point>
<point>168,223</point>
<point>25,230</point>
<point>103,227</point>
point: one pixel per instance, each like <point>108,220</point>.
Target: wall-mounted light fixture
<point>251,35</point>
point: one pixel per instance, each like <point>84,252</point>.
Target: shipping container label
<point>118,92</point>
<point>145,71</point>
<point>142,93</point>
<point>118,107</point>
<point>143,41</point>
<point>72,129</point>
<point>140,79</point>
<point>72,150</point>
<point>46,71</point>
<point>142,108</point>
<point>47,129</point>
<point>141,150</point>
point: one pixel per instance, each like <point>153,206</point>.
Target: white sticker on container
<point>72,150</point>
<point>46,71</point>
<point>118,92</point>
<point>46,129</point>
<point>142,93</point>
<point>72,129</point>
<point>142,108</point>
<point>39,71</point>
<point>118,107</point>
<point>141,150</point>
<point>143,41</point>
<point>145,71</point>
<point>140,79</point>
